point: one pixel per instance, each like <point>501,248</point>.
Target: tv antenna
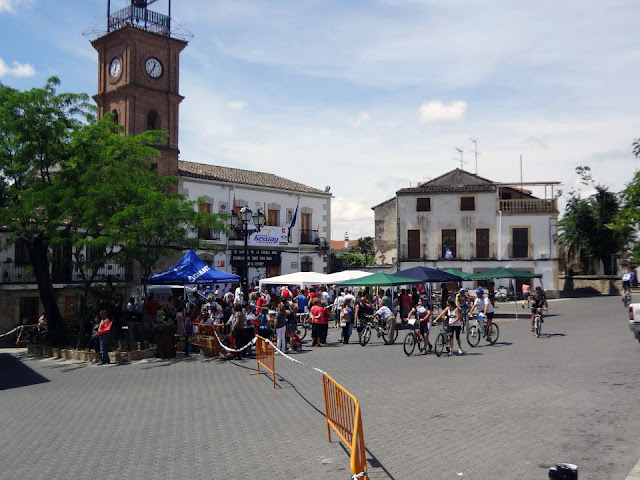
<point>475,151</point>
<point>461,159</point>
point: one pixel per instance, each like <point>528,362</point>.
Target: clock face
<point>115,67</point>
<point>153,67</point>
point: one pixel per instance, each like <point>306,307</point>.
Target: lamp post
<point>240,223</point>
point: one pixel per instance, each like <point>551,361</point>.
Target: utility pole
<point>475,151</point>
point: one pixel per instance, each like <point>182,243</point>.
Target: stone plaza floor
<point>508,411</point>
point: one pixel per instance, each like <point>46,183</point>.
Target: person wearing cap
<point>423,313</point>
<point>484,305</point>
<point>462,301</point>
<point>538,300</point>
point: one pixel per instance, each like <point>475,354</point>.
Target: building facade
<point>466,222</point>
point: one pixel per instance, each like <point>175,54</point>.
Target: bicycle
<point>303,324</point>
<point>478,328</point>
<point>381,329</point>
<point>442,340</point>
<point>413,338</point>
<point>537,322</point>
<point>626,298</point>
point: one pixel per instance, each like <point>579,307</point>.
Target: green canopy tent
<point>502,272</point>
<point>459,273</point>
<point>379,280</point>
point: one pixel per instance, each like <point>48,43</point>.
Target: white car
<point>634,319</point>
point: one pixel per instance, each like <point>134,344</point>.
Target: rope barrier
<point>233,350</point>
<point>359,475</point>
<point>11,331</point>
<point>292,359</point>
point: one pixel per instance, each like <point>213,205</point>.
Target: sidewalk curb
<point>634,474</point>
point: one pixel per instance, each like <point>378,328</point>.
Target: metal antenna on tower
<point>475,151</point>
<point>461,159</point>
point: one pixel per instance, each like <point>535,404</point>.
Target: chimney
<point>346,240</point>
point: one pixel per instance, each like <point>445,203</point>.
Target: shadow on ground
<point>16,374</point>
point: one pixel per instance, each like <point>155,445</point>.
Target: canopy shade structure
<point>302,279</point>
<point>379,280</point>
<point>429,275</point>
<point>458,273</point>
<point>502,272</point>
<point>191,270</point>
<point>338,277</point>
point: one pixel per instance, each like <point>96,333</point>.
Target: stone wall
<point>589,285</point>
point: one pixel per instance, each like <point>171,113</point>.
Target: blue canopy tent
<point>429,275</point>
<point>191,270</point>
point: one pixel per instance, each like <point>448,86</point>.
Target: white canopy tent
<point>345,275</point>
<point>303,279</point>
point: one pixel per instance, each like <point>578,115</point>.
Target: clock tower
<point>138,73</point>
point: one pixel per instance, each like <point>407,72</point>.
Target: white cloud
<point>17,70</point>
<point>11,5</point>
<point>237,105</point>
<point>436,111</point>
<point>353,216</point>
<point>362,117</point>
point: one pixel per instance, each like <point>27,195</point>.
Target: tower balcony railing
<point>526,206</point>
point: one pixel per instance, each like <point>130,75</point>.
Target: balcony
<point>112,271</point>
<point>308,237</point>
<point>529,206</point>
<point>483,251</point>
<point>413,252</point>
<point>522,251</point>
<point>17,273</point>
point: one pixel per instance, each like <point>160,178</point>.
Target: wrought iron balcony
<point>308,237</point>
<point>140,17</point>
<point>521,250</point>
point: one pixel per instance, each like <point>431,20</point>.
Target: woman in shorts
<point>453,315</point>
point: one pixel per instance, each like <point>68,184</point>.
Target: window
<point>153,122</point>
<point>21,252</point>
<point>306,234</point>
<point>115,116</point>
<point>29,310</point>
<point>273,271</point>
<point>449,244</point>
<point>306,264</point>
<point>205,234</point>
<point>423,205</point>
<point>482,243</point>
<point>413,243</point>
<point>467,203</point>
<point>273,218</point>
<point>94,254</point>
<point>520,242</point>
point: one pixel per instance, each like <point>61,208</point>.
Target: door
<point>413,244</point>
<point>520,242</point>
<point>482,243</point>
<point>449,244</point>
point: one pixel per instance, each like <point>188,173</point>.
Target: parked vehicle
<point>634,319</point>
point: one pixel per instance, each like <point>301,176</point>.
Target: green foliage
<point>355,259</point>
<point>629,217</point>
<point>364,245</point>
<point>587,230</point>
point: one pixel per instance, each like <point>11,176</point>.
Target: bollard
<point>564,471</point>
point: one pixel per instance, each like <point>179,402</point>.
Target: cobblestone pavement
<point>508,411</point>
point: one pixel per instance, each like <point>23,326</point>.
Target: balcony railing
<point>521,250</point>
<point>482,252</point>
<point>24,273</point>
<point>524,206</point>
<point>308,237</point>
<point>418,252</point>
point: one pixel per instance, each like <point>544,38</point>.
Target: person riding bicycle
<point>360,315</point>
<point>462,301</point>
<point>423,313</point>
<point>484,305</point>
<point>626,283</point>
<point>538,301</point>
<point>454,319</point>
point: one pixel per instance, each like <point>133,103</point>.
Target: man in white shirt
<point>337,306</point>
<point>324,295</point>
<point>389,318</point>
<point>484,305</point>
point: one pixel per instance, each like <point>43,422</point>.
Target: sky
<point>368,97</point>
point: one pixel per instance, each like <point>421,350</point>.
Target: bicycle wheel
<point>409,344</point>
<point>385,334</point>
<point>366,335</point>
<point>493,334</point>
<point>301,330</point>
<point>440,344</point>
<point>420,342</point>
<point>473,336</point>
<point>538,328</point>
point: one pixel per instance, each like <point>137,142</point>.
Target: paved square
<point>508,411</point>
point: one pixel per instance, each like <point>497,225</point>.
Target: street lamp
<point>240,223</point>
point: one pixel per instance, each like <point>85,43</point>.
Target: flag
<point>293,222</point>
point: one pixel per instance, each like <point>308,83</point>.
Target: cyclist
<point>537,301</point>
<point>461,301</point>
<point>626,283</point>
<point>360,315</point>
<point>423,312</point>
<point>484,305</point>
<point>454,317</point>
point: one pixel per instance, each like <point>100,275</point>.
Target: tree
<point>629,217</point>
<point>587,231</point>
<point>35,131</point>
<point>359,255</point>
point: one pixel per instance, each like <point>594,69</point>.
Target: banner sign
<point>256,258</point>
<point>269,236</point>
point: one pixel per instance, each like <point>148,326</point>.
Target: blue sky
<point>372,96</point>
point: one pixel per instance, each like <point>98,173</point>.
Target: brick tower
<point>138,73</point>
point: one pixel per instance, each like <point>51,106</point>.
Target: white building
<point>278,248</point>
<point>462,221</point>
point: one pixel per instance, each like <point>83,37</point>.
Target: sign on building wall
<point>223,207</point>
<point>289,215</point>
<point>269,236</point>
<point>256,258</point>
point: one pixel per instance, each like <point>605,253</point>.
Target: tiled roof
<point>454,181</point>
<point>243,177</point>
<point>339,244</point>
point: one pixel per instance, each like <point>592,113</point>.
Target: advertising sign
<point>269,236</point>
<point>256,258</point>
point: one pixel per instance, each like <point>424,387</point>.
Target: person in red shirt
<point>261,302</point>
<point>285,293</point>
<point>324,323</point>
<point>317,315</point>
<point>405,301</point>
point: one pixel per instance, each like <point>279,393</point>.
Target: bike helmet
<point>479,292</point>
<point>423,297</point>
<point>463,290</point>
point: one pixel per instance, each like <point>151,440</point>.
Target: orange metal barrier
<point>23,334</point>
<point>265,354</point>
<point>343,415</point>
<point>204,338</point>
